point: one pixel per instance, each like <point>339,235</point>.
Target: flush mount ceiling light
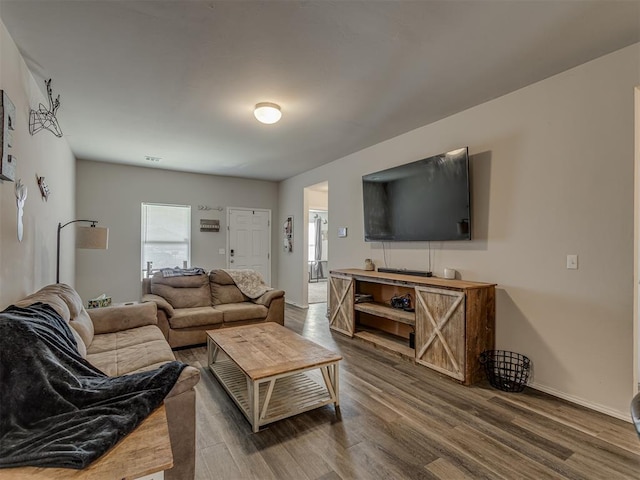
<point>267,112</point>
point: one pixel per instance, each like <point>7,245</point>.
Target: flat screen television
<point>427,200</point>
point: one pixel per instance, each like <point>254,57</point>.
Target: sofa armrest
<point>160,302</point>
<point>266,298</point>
<point>187,380</point>
<point>123,317</point>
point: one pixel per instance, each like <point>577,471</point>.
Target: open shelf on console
<point>386,341</point>
<point>385,311</point>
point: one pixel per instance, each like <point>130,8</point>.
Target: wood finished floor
<point>403,421</point>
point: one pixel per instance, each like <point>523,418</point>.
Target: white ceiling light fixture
<point>267,112</point>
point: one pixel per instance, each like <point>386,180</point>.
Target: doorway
<point>248,241</point>
<point>317,240</point>
<point>318,262</point>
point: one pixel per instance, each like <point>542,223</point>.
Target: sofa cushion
<point>220,277</point>
<point>84,326</point>
<point>58,304</point>
<point>79,318</point>
<point>183,292</point>
<point>221,294</point>
<point>128,351</point>
<point>68,304</point>
<point>107,342</point>
<point>234,312</point>
<point>195,317</point>
<point>123,317</point>
<point>223,289</point>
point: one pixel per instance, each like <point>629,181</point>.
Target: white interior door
<point>248,242</point>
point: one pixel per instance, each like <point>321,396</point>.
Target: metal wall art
<point>7,125</point>
<point>46,119</point>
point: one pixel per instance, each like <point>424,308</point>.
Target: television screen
<point>420,201</point>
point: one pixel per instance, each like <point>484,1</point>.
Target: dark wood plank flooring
<point>403,421</point>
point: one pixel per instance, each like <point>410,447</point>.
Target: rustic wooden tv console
<point>453,321</point>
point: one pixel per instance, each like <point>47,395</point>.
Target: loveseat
<point>190,305</point>
<point>120,340</point>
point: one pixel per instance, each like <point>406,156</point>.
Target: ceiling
<point>178,79</point>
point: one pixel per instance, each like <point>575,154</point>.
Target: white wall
<point>28,265</point>
<point>113,194</point>
<point>552,174</point>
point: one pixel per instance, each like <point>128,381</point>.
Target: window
<point>166,236</point>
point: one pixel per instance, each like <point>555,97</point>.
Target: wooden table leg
<point>254,407</point>
<point>212,351</point>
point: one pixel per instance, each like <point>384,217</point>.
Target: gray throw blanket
<point>249,282</point>
<point>56,409</point>
<point>181,272</point>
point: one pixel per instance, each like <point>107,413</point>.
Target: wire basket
<point>506,371</point>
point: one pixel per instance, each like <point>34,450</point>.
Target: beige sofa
<point>188,306</point>
<point>125,339</point>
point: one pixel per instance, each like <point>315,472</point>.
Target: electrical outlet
<point>572,262</point>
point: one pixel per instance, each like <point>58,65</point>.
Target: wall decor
<point>21,197</point>
<point>209,225</point>
<point>44,188</point>
<point>207,207</point>
<point>46,119</point>
<point>288,234</point>
<point>7,125</point>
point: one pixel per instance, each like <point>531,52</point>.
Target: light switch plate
<point>572,262</point>
<point>221,251</point>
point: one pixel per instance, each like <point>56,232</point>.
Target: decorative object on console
<point>7,121</point>
<point>368,265</point>
<point>362,297</point>
<point>404,271</point>
<point>86,237</point>
<point>449,273</point>
<point>21,197</point>
<point>401,301</point>
<point>44,188</point>
<point>46,119</point>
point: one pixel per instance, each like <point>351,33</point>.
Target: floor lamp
<point>86,237</point>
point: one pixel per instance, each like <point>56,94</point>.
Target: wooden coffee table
<point>267,371</point>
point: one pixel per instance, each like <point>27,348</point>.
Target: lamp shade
<point>267,112</point>
<point>92,237</point>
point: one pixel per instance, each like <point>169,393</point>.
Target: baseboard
<point>295,304</point>
<point>626,416</point>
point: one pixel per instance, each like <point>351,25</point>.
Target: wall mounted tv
<point>427,200</point>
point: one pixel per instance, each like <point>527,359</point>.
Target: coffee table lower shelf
<point>280,396</point>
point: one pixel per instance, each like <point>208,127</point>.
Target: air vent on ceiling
<point>149,158</point>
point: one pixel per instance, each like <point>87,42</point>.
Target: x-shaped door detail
<point>341,304</point>
<point>440,330</point>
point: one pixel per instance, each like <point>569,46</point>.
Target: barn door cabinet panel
<point>440,330</point>
<point>341,302</point>
<point>454,320</point>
